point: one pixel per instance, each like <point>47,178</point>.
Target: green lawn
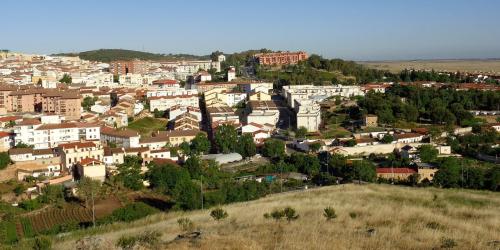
<point>147,125</point>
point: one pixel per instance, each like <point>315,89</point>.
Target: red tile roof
<point>396,171</point>
<point>88,161</point>
<point>77,145</point>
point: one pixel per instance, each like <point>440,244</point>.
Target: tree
<point>361,170</point>
<point>226,138</point>
<point>88,102</point>
<point>274,148</point>
<point>350,143</point>
<point>448,175</point>
<point>492,178</point>
<point>301,132</point>
<point>200,144</point>
<point>305,163</point>
<point>185,148</point>
<point>53,194</point>
<point>4,160</point>
<point>218,214</point>
<point>246,146</point>
<point>193,165</point>
<point>187,195</point>
<point>129,172</point>
<point>427,153</point>
<point>314,147</point>
<point>88,189</point>
<point>387,139</point>
<point>66,79</point>
<point>164,177</point>
<point>158,114</point>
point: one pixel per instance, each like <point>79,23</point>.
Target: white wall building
<point>166,102</point>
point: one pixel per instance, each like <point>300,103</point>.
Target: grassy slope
<point>147,125</point>
<point>404,218</point>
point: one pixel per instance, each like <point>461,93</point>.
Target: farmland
<point>471,66</point>
<point>47,219</point>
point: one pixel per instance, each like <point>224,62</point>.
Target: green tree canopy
<point>428,153</point>
<point>246,146</point>
<point>226,138</point>
<point>200,144</point>
<point>274,148</point>
<point>129,172</point>
<point>66,79</point>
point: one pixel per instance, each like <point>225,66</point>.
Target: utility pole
<point>201,190</point>
<point>93,205</point>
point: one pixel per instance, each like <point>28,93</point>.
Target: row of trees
<point>455,173</point>
<point>444,106</point>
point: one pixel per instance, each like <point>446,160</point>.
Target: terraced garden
<point>70,214</point>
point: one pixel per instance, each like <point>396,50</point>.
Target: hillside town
<point>65,119</point>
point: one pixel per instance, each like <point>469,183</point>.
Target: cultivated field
<point>369,217</point>
<point>490,66</point>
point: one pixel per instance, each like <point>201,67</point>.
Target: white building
<point>99,108</point>
<point>318,93</point>
<point>308,115</point>
<point>178,110</point>
<point>231,74</point>
<point>165,102</point>
<point>41,136</point>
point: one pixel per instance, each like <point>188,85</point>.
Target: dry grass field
<point>398,218</point>
<point>471,66</point>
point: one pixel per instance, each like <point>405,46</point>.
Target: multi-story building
<point>127,67</point>
<point>122,138</point>
<point>187,121</point>
<point>178,110</point>
<point>308,114</point>
<point>162,103</point>
<point>33,132</point>
<point>66,103</point>
<point>318,93</point>
<point>75,152</point>
<point>281,58</point>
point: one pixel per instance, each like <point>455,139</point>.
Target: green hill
<point>108,55</point>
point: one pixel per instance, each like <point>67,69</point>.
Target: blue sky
<point>356,29</point>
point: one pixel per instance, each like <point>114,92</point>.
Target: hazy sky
<point>354,29</point>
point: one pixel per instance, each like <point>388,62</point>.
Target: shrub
<point>218,214</point>
<point>353,215</point>
<point>42,243</point>
<point>277,214</point>
<point>148,239</point>
<point>329,213</point>
<point>448,243</point>
<point>290,214</point>
<point>185,224</point>
<point>131,212</point>
<point>434,225</point>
